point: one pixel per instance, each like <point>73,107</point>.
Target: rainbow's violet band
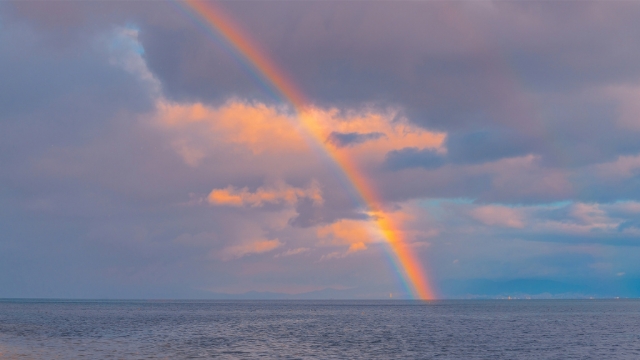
<point>211,16</point>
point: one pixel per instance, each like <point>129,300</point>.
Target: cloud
<point>485,145</point>
<point>461,82</point>
<point>588,214</point>
<point>565,222</point>
<point>292,252</point>
<point>352,138</point>
<point>139,157</point>
<point>126,52</point>
<point>355,233</point>
<point>258,129</point>
<point>255,247</point>
<point>280,194</point>
<point>621,168</point>
<point>359,246</point>
<point>413,157</point>
<point>627,98</point>
<point>499,216</point>
<point>368,135</point>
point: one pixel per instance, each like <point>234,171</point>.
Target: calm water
<point>500,329</point>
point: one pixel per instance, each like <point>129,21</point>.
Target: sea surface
<point>457,329</point>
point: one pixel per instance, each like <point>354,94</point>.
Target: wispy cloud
<point>292,252</point>
<point>254,247</point>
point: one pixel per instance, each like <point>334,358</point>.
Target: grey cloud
<point>308,214</point>
<point>413,157</point>
<point>573,223</point>
<point>353,138</point>
<point>580,46</point>
<point>485,145</point>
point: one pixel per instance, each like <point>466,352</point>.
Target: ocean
<point>304,329</point>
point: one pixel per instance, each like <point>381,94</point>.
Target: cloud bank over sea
<point>141,158</point>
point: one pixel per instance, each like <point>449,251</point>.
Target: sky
<point>142,156</point>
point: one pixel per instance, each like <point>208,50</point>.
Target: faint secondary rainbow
<point>213,17</point>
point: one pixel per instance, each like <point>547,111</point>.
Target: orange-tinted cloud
<point>378,132</point>
<point>267,129</point>
<point>355,233</point>
<point>257,127</point>
<point>254,247</point>
<point>292,252</point>
<point>279,194</point>
<point>358,234</point>
<point>357,247</point>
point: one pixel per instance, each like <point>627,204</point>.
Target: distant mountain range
<point>325,294</point>
<point>469,289</point>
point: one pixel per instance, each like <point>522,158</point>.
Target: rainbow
<point>213,17</point>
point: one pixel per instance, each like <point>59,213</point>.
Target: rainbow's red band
<point>214,17</point>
